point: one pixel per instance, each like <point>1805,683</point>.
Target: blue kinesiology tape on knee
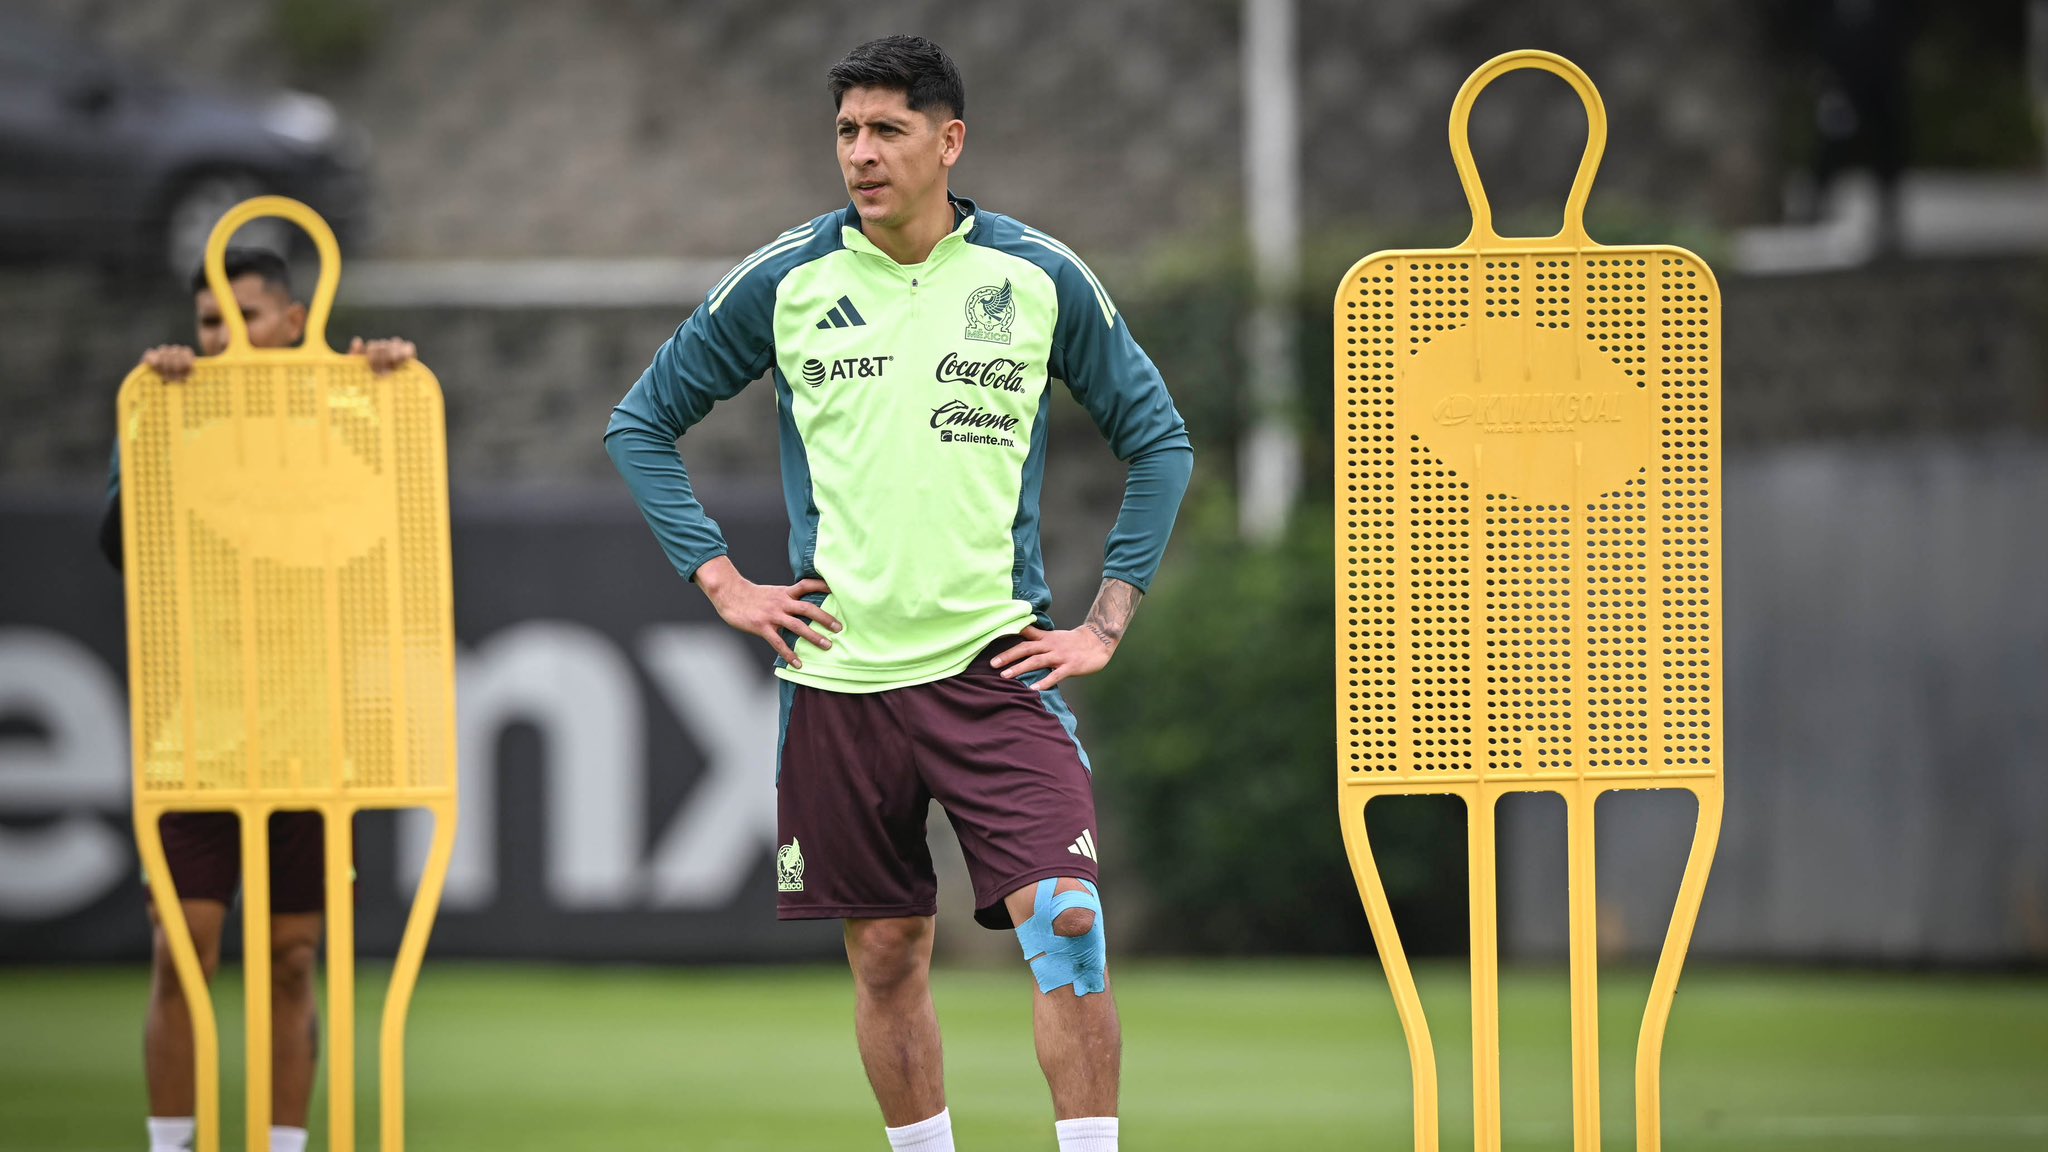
<point>1057,960</point>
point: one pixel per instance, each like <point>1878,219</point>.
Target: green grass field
<point>1294,1056</point>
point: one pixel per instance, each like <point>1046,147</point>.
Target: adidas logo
<point>843,316</point>
<point>1085,846</point>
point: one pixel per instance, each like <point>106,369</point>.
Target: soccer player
<point>204,848</point>
<point>910,337</point>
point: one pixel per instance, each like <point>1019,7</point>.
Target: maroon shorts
<point>204,850</point>
<point>859,770</point>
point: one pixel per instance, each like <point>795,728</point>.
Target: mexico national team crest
<point>789,867</point>
<point>990,312</point>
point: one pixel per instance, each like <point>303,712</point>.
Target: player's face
<point>894,160</point>
<point>274,320</point>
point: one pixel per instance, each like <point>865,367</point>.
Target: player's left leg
<point>294,1015</point>
<point>1003,760</point>
<point>1080,1041</point>
<point>298,895</point>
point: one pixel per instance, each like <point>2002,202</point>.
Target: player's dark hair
<point>258,262</point>
<point>912,65</point>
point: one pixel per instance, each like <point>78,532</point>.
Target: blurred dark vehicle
<point>103,159</point>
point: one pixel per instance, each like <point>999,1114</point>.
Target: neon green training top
<point>912,402</point>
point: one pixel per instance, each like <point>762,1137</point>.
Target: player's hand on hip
<point>1076,652</point>
<point>173,362</point>
<point>767,610</point>
<point>384,355</point>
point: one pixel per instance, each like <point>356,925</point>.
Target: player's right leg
<point>204,853</point>
<point>167,1030</point>
<point>850,812</point>
<point>894,1021</point>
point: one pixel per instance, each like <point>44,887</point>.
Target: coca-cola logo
<point>1001,373</point>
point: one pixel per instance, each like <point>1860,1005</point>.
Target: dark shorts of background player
<point>204,850</point>
<point>859,770</point>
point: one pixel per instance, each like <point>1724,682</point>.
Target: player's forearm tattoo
<point>1114,606</point>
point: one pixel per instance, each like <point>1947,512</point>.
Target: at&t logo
<point>816,372</point>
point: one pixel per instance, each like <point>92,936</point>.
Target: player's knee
<point>164,967</point>
<point>1063,940</point>
<point>292,963</point>
<point>888,954</point>
<point>1074,921</point>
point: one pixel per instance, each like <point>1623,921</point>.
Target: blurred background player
<point>204,848</point>
<point>912,336</point>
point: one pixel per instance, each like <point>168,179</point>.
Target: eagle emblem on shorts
<point>789,867</point>
<point>990,312</point>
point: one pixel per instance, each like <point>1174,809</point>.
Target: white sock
<point>283,1139</point>
<point>170,1133</point>
<point>933,1135</point>
<point>1087,1134</point>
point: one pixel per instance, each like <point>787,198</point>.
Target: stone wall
<point>514,128</point>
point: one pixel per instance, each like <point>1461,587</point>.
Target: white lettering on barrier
<point>568,681</point>
<point>728,822</point>
<point>77,766</point>
<point>571,685</point>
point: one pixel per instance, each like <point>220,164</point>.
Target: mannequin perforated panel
<point>289,536</point>
<point>1529,514</point>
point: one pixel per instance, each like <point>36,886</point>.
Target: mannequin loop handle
<point>285,208</point>
<point>1573,234</point>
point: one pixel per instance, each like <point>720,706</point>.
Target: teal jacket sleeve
<point>725,345</point>
<point>1094,352</point>
<point>110,511</point>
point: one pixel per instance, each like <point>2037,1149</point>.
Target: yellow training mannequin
<point>290,643</point>
<point>1528,571</point>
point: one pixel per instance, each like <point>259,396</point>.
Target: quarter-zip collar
<point>857,240</point>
